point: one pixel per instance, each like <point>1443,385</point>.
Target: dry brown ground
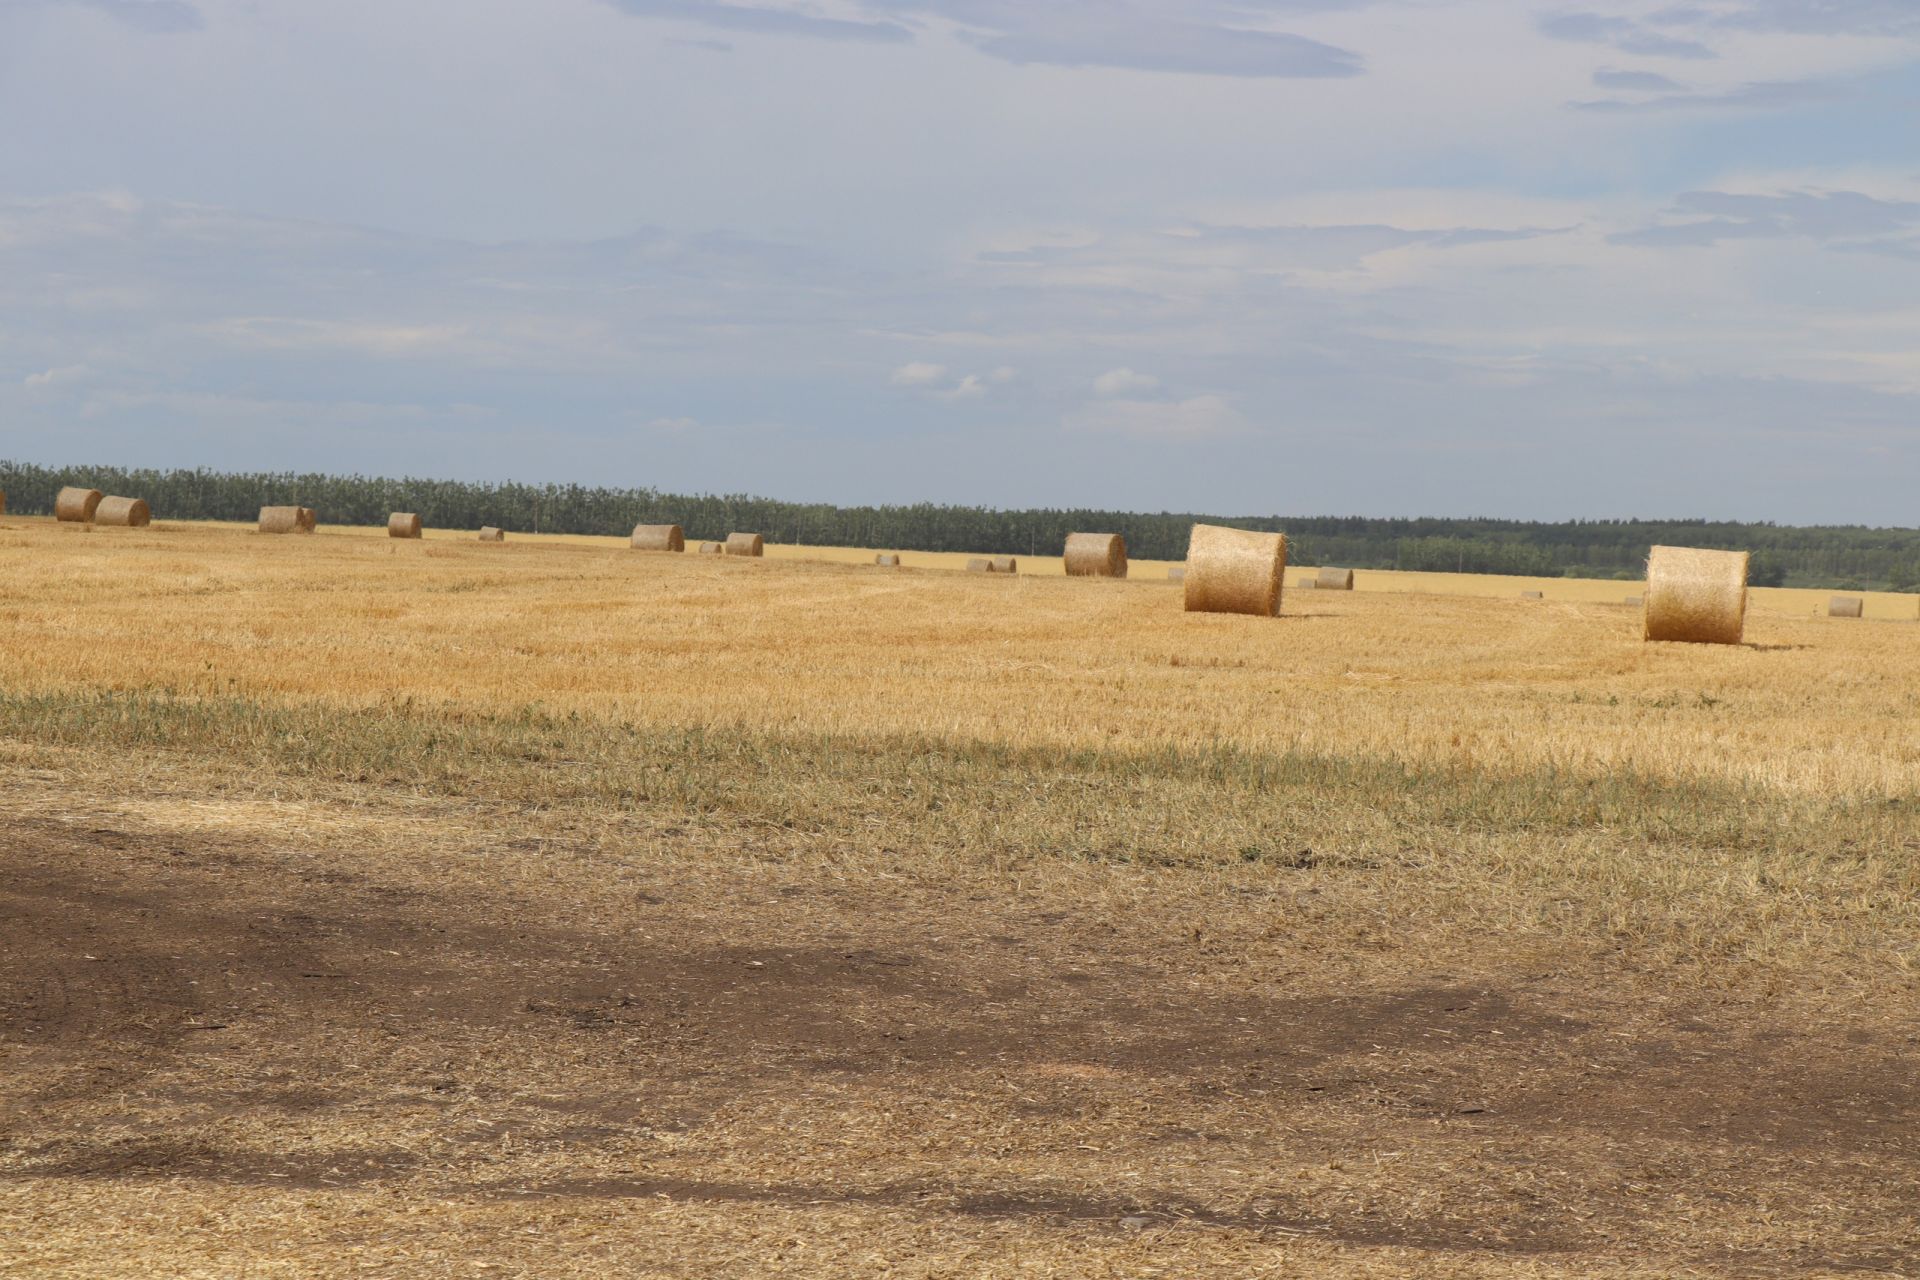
<point>1144,946</point>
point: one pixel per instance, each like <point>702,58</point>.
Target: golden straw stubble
<point>76,506</point>
<point>1096,555</point>
<point>746,544</point>
<point>403,524</point>
<point>1234,570</point>
<point>658,537</point>
<point>125,513</point>
<point>1696,595</point>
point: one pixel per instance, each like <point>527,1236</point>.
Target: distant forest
<point>1846,557</point>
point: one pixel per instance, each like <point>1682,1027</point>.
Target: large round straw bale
<point>286,520</point>
<point>126,513</point>
<point>1234,570</point>
<point>403,524</point>
<point>658,537</point>
<point>490,534</point>
<point>746,544</point>
<point>1695,595</point>
<point>711,548</point>
<point>1845,607</point>
<point>1003,564</point>
<point>1533,595</point>
<point>979,564</point>
<point>1096,555</point>
<point>886,561</point>
<point>77,505</point>
<point>1333,580</point>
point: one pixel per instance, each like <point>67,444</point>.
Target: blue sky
<point>1459,257</point>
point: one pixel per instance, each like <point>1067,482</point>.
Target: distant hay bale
<point>746,544</point>
<point>1695,595</point>
<point>1096,555</point>
<point>1533,595</point>
<point>886,561</point>
<point>1177,574</point>
<point>1846,607</point>
<point>1002,564</point>
<point>123,513</point>
<point>1235,570</point>
<point>287,520</point>
<point>979,564</point>
<point>658,537</point>
<point>1635,601</point>
<point>76,506</point>
<point>490,534</point>
<point>3,502</point>
<point>403,524</point>
<point>1333,580</point>
<point>1307,583</point>
<point>711,549</point>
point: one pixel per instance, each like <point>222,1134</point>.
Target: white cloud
<point>918,373</point>
<point>970,387</point>
<point>1121,382</point>
<point>1004,374</point>
<point>672,424</point>
<point>1208,415</point>
<point>63,374</point>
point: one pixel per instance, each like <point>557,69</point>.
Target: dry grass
<point>700,918</point>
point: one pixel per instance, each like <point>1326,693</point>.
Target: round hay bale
<point>1533,595</point>
<point>1003,564</point>
<point>746,544</point>
<point>1634,601</point>
<point>1308,583</point>
<point>1096,555</point>
<point>1696,596</point>
<point>711,549</point>
<point>979,564</point>
<point>403,524</point>
<point>658,537</point>
<point>1846,607</point>
<point>76,506</point>
<point>490,534</point>
<point>1235,570</point>
<point>286,520</point>
<point>124,513</point>
<point>886,561</point>
<point>1333,580</point>
<point>1176,574</point>
<point>3,502</point>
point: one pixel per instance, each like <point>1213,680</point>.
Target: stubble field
<point>545,908</point>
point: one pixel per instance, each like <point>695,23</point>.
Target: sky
<point>1606,258</point>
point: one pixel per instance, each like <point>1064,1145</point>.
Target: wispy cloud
<point>1121,382</point>
<point>1207,415</point>
<point>162,17</point>
<point>1817,215</point>
<point>1625,34</point>
<point>765,21</point>
<point>1776,95</point>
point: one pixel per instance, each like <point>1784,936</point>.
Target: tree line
<point>1848,557</point>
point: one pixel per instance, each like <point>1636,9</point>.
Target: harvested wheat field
<point>429,908</point>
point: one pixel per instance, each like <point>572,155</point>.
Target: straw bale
<point>287,520</point>
<point>1533,595</point>
<point>3,502</point>
<point>76,506</point>
<point>979,564</point>
<point>1635,601</point>
<point>1307,583</point>
<point>1235,570</point>
<point>1333,580</point>
<point>658,537</point>
<point>490,534</point>
<point>746,544</point>
<point>403,524</point>
<point>711,548</point>
<point>1096,555</point>
<point>886,561</point>
<point>1846,607</point>
<point>1002,564</point>
<point>125,513</point>
<point>1696,595</point>
<point>1177,574</point>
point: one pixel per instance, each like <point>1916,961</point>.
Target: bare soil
<point>193,1009</point>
